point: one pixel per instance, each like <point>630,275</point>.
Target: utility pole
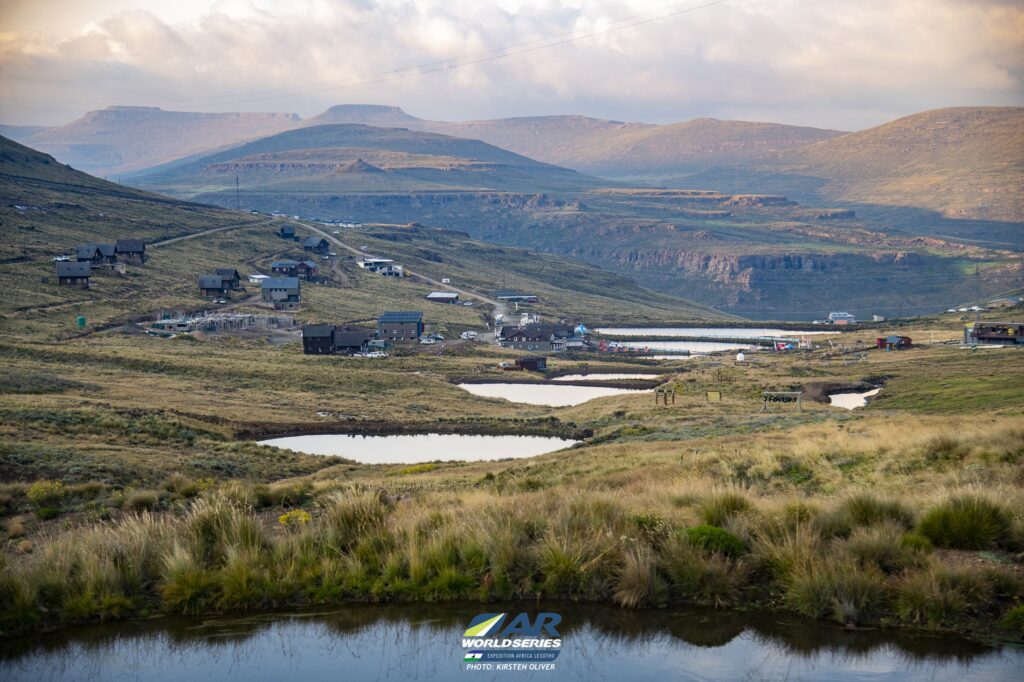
<point>238,204</point>
<point>977,292</point>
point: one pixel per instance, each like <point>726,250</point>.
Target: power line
<point>423,68</point>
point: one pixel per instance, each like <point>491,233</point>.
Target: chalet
<point>97,254</point>
<point>74,274</point>
<point>533,363</point>
<point>510,296</point>
<point>352,340</point>
<point>308,270</point>
<point>995,334</point>
<point>213,286</point>
<point>286,268</point>
<point>400,326</point>
<point>318,339</point>
<point>537,337</point>
<point>286,232</point>
<point>232,280</point>
<point>893,342</point>
<point>316,245</point>
<point>131,251</point>
<point>443,297</point>
<point>283,292</point>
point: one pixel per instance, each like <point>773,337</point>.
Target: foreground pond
<point>548,395</point>
<point>723,332</point>
<point>851,401</point>
<point>424,642</point>
<point>421,447</point>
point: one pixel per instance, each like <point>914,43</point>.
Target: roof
<point>280,283</point>
<point>211,282</point>
<point>227,273</point>
<point>352,337</point>
<point>130,245</point>
<point>314,241</point>
<point>73,269</point>
<point>442,294</point>
<point>310,264</point>
<point>537,330</point>
<point>107,250</point>
<point>86,250</point>
<point>284,264</point>
<point>318,331</point>
<point>406,316</point>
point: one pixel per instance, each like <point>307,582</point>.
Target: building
<point>232,280</point>
<point>998,303</point>
<point>533,363</point>
<point>894,342</point>
<point>352,340</point>
<point>400,326</point>
<point>257,279</point>
<point>537,337</point>
<point>841,318</point>
<point>96,254</point>
<point>316,245</point>
<point>382,266</point>
<point>74,274</point>
<point>286,232</point>
<point>443,297</point>
<point>214,286</point>
<point>510,296</point>
<point>283,292</point>
<point>308,270</point>
<point>285,268</point>
<point>131,251</point>
<point>995,334</point>
<point>392,270</point>
<point>318,339</point>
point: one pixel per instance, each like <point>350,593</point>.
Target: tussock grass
<point>966,522</point>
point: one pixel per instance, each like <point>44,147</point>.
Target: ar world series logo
<point>495,642</point>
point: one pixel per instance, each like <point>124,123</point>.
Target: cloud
<point>830,63</point>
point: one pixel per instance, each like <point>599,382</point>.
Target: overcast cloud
<point>831,63</point>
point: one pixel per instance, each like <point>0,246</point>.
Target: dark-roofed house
<point>316,245</point>
<point>97,254</point>
<point>212,286</point>
<point>74,274</point>
<point>283,292</point>
<point>131,250</point>
<point>232,280</point>
<point>318,339</point>
<point>400,326</point>
<point>287,232</point>
<point>308,270</point>
<point>537,337</point>
<point>352,340</point>
<point>287,268</point>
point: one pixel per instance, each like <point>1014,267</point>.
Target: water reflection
<point>413,642</point>
<point>549,395</point>
<point>421,447</point>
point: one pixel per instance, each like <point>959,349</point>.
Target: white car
<point>427,341</point>
<point>61,259</point>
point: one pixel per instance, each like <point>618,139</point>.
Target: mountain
<point>120,139</point>
<point>376,115</point>
<point>19,133</point>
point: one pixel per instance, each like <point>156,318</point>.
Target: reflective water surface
<point>851,401</point>
<point>422,447</point>
<point>603,377</point>
<point>423,642</point>
<point>544,394</point>
<point>724,332</point>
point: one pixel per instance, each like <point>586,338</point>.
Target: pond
<point>851,401</point>
<point>724,332</point>
<point>549,395</point>
<point>421,447</point>
<point>686,346</point>
<point>604,377</point>
<point>424,642</point>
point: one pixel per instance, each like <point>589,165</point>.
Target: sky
<point>843,64</point>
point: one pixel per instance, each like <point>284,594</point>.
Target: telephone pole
<point>238,203</point>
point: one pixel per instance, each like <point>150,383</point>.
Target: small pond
<point>424,642</point>
<point>604,377</point>
<point>421,447</point>
<point>549,395</point>
<point>851,401</point>
<point>686,346</point>
<point>724,332</point>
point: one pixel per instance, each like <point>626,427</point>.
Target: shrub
<point>848,594</point>
<point>714,539</point>
<point>883,547</point>
<point>1013,620</point>
<point>938,597</point>
<point>653,528</point>
<point>868,510</point>
<point>181,485</point>
<point>47,513</point>
<point>718,507</point>
<point>296,517</point>
<point>965,522</point>
<point>703,578</point>
<point>142,499</point>
<point>43,492</point>
<point>15,527</point>
<point>637,582</point>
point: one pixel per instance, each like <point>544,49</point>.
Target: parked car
<point>61,259</point>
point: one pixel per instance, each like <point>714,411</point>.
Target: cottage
<point>353,340</point>
<point>391,270</point>
<point>537,337</point>
<point>286,232</point>
<point>74,274</point>
<point>308,270</point>
<point>400,326</point>
<point>286,268</point>
<point>316,245</point>
<point>131,251</point>
<point>893,342</point>
<point>232,280</point>
<point>213,286</point>
<point>97,254</point>
<point>995,334</point>
<point>318,339</point>
<point>283,292</point>
<point>443,297</point>
<point>533,363</point>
